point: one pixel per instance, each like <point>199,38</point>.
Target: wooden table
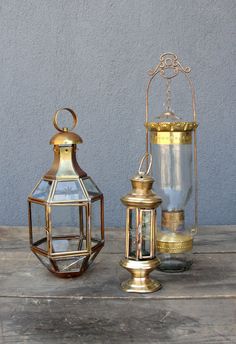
<point>198,306</point>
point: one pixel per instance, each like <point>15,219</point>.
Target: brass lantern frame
<point>141,200</point>
<point>170,62</point>
<point>67,170</point>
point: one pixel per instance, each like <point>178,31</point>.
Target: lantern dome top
<point>65,135</point>
<point>66,138</point>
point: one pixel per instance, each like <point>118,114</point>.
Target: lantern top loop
<point>55,119</point>
<point>65,135</point>
<point>148,166</point>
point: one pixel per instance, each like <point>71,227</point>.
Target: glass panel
<point>91,187</point>
<point>70,265</point>
<point>139,233</point>
<point>68,191</point>
<point>96,222</point>
<point>68,228</point>
<point>173,166</point>
<point>132,233</point>
<point>146,232</point>
<point>38,225</point>
<point>42,190</point>
<point>44,260</point>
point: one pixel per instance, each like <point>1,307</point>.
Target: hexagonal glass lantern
<point>66,211</point>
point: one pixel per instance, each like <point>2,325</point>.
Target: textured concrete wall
<point>94,56</point>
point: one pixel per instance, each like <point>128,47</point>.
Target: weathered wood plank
<point>212,275</point>
<point>209,239</point>
<point>37,321</point>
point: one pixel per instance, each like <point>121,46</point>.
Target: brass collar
<point>141,195</point>
<point>171,126</point>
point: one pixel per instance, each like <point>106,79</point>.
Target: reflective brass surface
<point>141,194</point>
<point>171,126</point>
<point>65,166</point>
<point>141,231</point>
<point>171,138</point>
<point>140,282</point>
<point>66,138</point>
<point>174,243</point>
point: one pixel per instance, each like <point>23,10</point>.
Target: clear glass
<point>42,190</point>
<point>38,223</point>
<point>91,187</point>
<point>96,224</point>
<point>70,265</point>
<point>68,191</point>
<point>172,169</point>
<point>45,261</point>
<point>140,233</point>
<point>68,228</point>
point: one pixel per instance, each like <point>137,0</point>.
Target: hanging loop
<point>148,165</point>
<point>55,119</point>
<point>168,68</point>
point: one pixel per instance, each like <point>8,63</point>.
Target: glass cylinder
<point>171,148</point>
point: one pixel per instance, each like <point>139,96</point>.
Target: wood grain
<point>60,321</point>
<point>197,306</point>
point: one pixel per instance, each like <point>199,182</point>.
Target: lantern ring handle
<point>55,119</point>
<point>148,165</point>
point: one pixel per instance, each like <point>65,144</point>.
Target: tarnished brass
<point>174,243</point>
<point>140,282</point>
<point>171,138</point>
<point>172,220</point>
<point>55,119</point>
<point>65,172</point>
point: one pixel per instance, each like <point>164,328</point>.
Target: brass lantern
<point>140,253</point>
<point>66,211</point>
<point>172,145</point>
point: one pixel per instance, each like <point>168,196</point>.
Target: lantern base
<point>140,281</point>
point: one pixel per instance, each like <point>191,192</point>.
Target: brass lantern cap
<point>141,195</point>
<point>171,126</point>
<point>66,138</point>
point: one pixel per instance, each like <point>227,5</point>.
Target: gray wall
<point>94,56</point>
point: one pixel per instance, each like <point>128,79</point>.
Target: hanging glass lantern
<point>140,253</point>
<point>66,211</point>
<point>173,142</point>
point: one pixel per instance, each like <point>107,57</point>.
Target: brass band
<point>171,126</point>
<point>174,243</point>
<point>171,138</point>
<point>172,219</point>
